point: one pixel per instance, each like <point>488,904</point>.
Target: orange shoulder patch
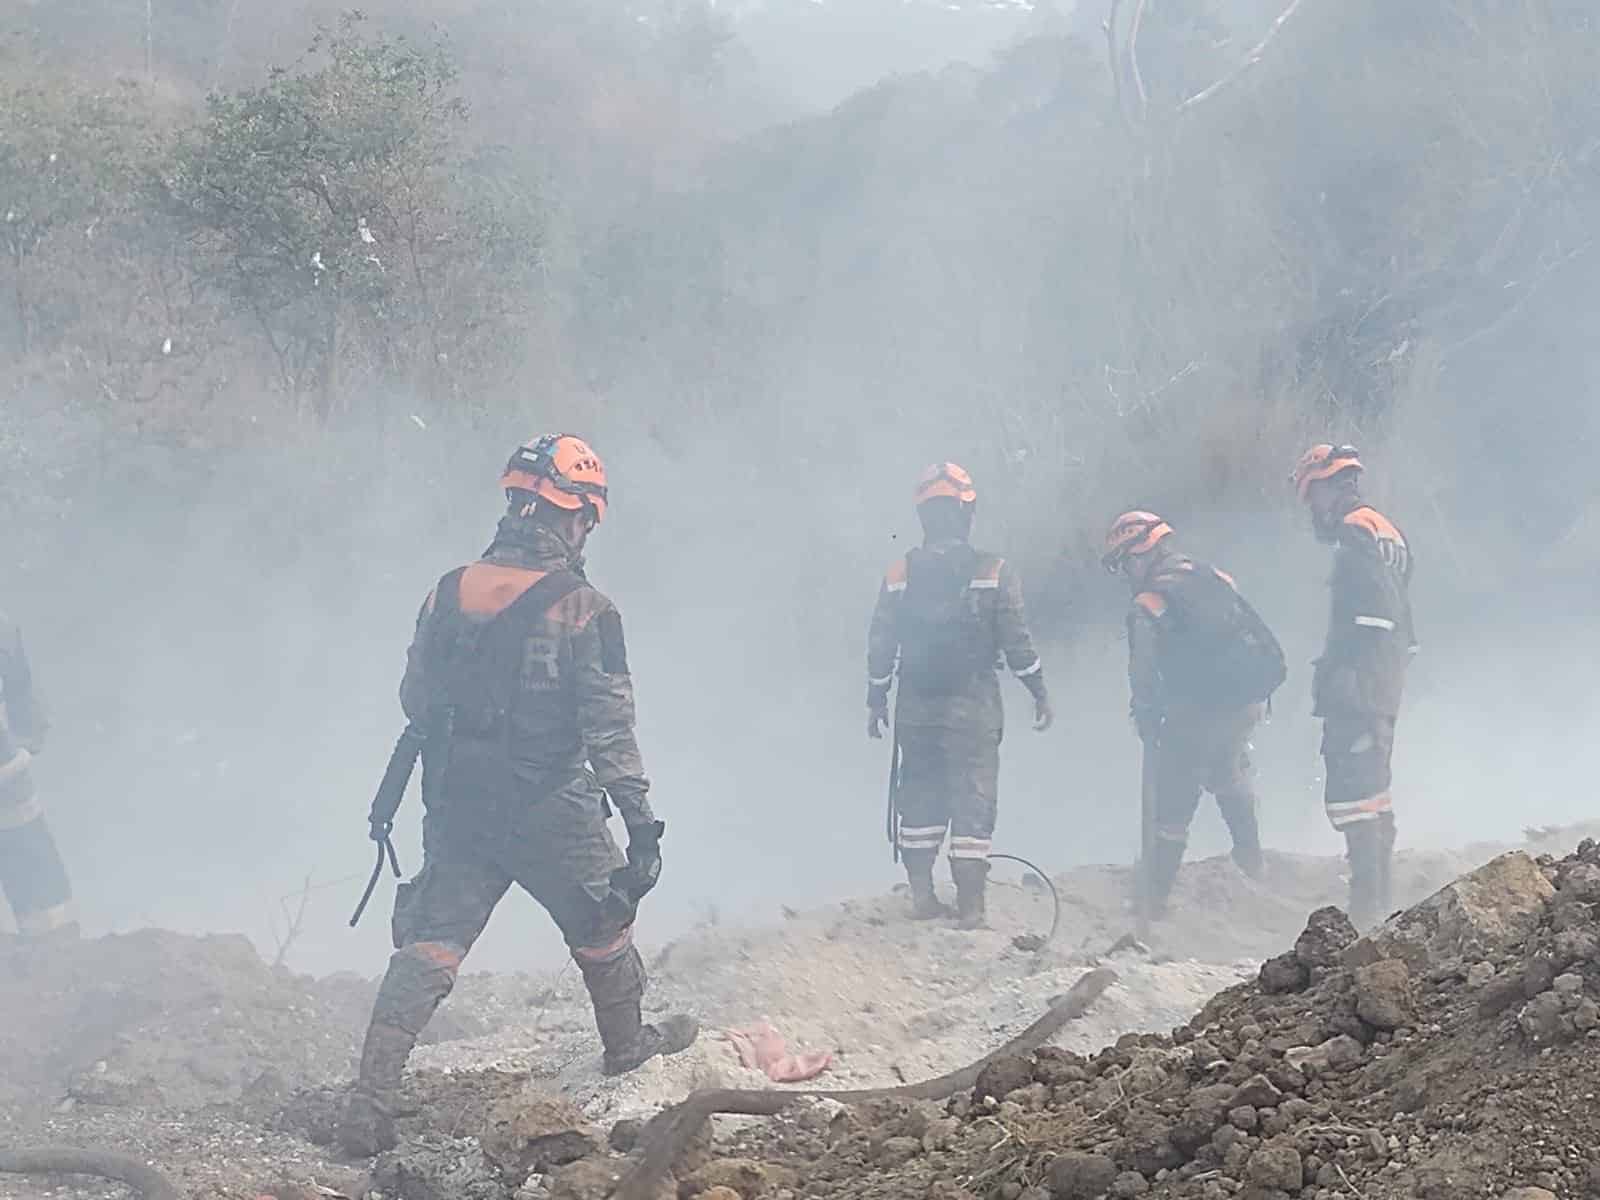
<point>894,579</point>
<point>1371,521</point>
<point>1153,603</point>
<point>488,589</point>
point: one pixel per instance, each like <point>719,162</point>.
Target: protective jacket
<point>953,683</point>
<point>549,690</point>
<point>1371,637</point>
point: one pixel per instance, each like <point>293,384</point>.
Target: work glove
<point>379,830</point>
<point>877,720</point>
<point>1044,715</point>
<point>639,877</point>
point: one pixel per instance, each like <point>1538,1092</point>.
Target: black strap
<point>542,596</point>
<point>385,855</point>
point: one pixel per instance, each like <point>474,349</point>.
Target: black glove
<point>638,878</point>
<point>379,830</point>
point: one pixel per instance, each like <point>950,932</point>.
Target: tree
<point>341,205</point>
<point>65,164</point>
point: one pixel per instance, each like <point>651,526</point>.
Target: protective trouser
<point>1209,750</point>
<point>556,847</point>
<point>949,781</point>
<point>1357,753</point>
<point>31,871</point>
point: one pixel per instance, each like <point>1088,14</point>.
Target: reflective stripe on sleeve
<point>1376,623</point>
<point>984,584</point>
<point>1038,665</point>
<point>884,682</point>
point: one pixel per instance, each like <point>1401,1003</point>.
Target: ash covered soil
<point>194,1055</point>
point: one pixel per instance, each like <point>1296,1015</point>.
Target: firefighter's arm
<point>1147,705</point>
<point>606,715</point>
<point>414,693</point>
<point>23,707</point>
<point>1016,644</point>
<point>883,647</point>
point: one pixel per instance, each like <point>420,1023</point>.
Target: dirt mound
<point>1451,1053</point>
<point>162,1022</point>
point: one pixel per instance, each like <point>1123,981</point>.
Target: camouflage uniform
<point>530,728</point>
<point>949,739</point>
<point>31,873</point>
<point>1190,744</point>
<point>1357,689</point>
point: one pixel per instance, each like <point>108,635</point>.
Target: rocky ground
<point>193,1054</point>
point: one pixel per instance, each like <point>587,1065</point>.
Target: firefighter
<point>518,678</point>
<point>31,873</point>
<point>946,615</point>
<point>1359,679</point>
<point>1201,665</point>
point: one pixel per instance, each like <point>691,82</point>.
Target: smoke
<point>221,631</point>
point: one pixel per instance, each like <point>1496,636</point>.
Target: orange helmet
<point>560,468</point>
<point>1323,462</point>
<point>946,479</point>
<point>1133,533</point>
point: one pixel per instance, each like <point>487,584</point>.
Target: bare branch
<point>1110,27</point>
<point>1133,56</point>
<point>1251,59</point>
<point>295,923</point>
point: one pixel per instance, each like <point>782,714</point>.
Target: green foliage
<point>340,206</point>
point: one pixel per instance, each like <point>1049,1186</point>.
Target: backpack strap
<point>544,595</point>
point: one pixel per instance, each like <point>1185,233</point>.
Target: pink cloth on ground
<point>762,1047</point>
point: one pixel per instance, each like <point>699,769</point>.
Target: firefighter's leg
<point>437,916</point>
<point>974,782</point>
<point>1356,755</point>
<point>924,815</point>
<point>1232,782</point>
<point>563,856</point>
<point>32,875</point>
<point>1177,796</point>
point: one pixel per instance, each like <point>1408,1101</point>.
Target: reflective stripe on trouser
<point>949,778</point>
<point>34,879</point>
<point>1356,755</point>
<point>921,837</point>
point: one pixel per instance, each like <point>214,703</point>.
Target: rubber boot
<point>616,987</point>
<point>1158,875</point>
<point>674,1035</point>
<point>925,902</point>
<point>1239,812</point>
<point>366,1127</point>
<point>972,878</point>
<point>417,981</point>
<point>1385,866</point>
<point>1363,845</point>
